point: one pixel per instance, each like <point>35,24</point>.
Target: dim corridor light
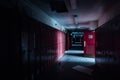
<point>75,51</point>
<point>78,59</point>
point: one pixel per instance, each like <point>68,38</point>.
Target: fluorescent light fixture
<point>73,4</point>
<point>75,19</point>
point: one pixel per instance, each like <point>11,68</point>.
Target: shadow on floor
<point>63,70</point>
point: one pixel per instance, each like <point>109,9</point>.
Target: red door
<point>89,43</point>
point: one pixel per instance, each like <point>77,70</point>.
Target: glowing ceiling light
<point>73,4</point>
<point>75,19</point>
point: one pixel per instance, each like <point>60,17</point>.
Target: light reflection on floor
<point>71,58</point>
<point>74,58</point>
<point>105,60</point>
<point>74,51</point>
<point>73,64</point>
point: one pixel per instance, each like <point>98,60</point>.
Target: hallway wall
<point>10,53</point>
<point>42,46</point>
<point>109,12</point>
<point>68,41</point>
<point>51,45</point>
<point>28,47</point>
<point>107,42</point>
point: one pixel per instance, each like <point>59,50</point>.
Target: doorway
<point>77,40</point>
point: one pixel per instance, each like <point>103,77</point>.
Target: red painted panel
<point>60,44</point>
<point>89,42</point>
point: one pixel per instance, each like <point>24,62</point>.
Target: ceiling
<point>79,14</point>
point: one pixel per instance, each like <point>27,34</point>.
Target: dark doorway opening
<point>75,39</point>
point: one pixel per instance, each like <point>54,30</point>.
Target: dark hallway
<point>60,39</point>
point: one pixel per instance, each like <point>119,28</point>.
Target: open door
<point>89,43</point>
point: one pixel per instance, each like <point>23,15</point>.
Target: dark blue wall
<point>108,49</point>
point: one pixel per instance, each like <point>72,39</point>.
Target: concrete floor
<point>71,59</point>
<point>64,69</point>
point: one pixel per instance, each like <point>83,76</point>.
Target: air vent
<point>58,6</point>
